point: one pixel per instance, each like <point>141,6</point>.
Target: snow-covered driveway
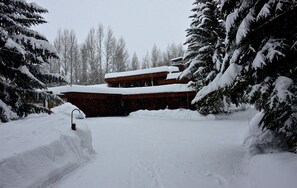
<point>163,153</point>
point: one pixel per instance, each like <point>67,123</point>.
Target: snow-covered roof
<point>103,89</point>
<point>177,58</point>
<point>169,69</point>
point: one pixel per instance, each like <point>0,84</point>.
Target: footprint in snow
<point>218,178</point>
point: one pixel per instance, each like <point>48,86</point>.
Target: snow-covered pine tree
<point>205,51</point>
<point>260,62</point>
<point>23,52</point>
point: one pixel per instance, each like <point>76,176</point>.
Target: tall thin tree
<point>109,46</point>
<point>134,62</point>
<point>99,42</point>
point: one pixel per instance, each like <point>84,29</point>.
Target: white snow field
<point>148,149</point>
<point>163,153</point>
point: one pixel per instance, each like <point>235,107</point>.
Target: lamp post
<point>73,125</point>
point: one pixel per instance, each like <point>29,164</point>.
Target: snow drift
<point>270,165</point>
<point>246,113</point>
<point>273,170</point>
<point>171,114</point>
<point>41,149</point>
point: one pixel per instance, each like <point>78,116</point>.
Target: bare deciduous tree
<point>84,57</point>
<point>99,45</point>
<point>121,56</point>
<point>72,53</point>
<point>67,47</point>
<point>134,62</point>
<point>55,66</point>
<point>91,58</point>
<point>155,56</point>
<point>146,61</point>
<point>173,51</point>
<point>102,53</point>
<point>109,50</point>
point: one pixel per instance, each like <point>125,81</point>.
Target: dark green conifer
<point>260,61</point>
<point>205,51</point>
<point>23,54</point>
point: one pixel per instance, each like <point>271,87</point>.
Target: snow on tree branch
<point>281,90</point>
<point>265,12</point>
<point>244,27</point>
<point>221,81</point>
<point>272,50</point>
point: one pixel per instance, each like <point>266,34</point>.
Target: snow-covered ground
<point>159,152</point>
<point>165,149</point>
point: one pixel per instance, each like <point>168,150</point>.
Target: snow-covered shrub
<point>267,142</point>
<point>260,142</point>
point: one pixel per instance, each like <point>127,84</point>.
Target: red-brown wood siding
<point>96,105</point>
<point>136,80</point>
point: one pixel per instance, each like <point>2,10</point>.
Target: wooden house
<point>125,92</point>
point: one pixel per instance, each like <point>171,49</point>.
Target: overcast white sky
<point>142,23</point>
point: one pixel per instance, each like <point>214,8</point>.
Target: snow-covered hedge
<point>40,149</point>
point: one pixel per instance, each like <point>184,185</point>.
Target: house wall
<point>158,101</point>
<point>96,105</point>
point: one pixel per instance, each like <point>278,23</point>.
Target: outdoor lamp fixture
<point>73,125</point>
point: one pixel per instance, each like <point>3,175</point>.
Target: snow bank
<point>66,110</point>
<point>171,114</point>
<point>273,171</point>
<point>242,114</point>
<point>269,167</point>
<point>41,149</point>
